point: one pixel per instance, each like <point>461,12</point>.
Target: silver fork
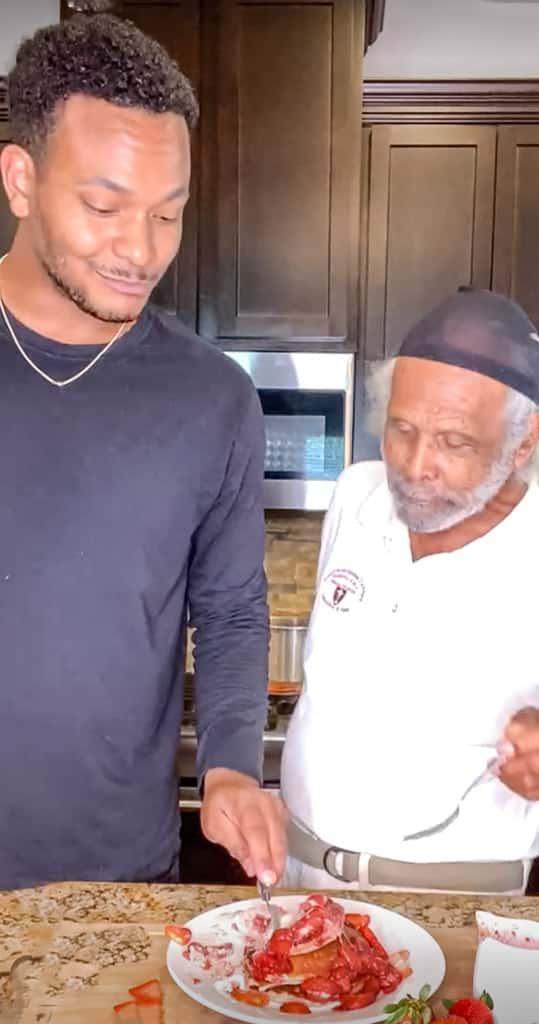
<point>264,891</point>
<point>487,774</point>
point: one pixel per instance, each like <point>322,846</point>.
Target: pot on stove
<point>287,642</point>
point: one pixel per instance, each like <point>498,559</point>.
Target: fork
<point>488,773</point>
<point>264,891</point>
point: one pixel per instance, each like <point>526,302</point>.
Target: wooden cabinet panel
<point>176,25</point>
<point>278,252</point>
<point>430,222</point>
<point>284,162</point>
<point>516,238</point>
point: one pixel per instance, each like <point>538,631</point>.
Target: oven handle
<point>189,799</point>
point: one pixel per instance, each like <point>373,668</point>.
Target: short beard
<point>79,298</point>
<point>423,511</point>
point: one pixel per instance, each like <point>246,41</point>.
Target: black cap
<point>483,332</point>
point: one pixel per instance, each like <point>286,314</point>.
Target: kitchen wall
<point>456,39</point>
<point>21,18</point>
<point>292,545</point>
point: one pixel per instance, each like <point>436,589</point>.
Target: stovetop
<point>279,712</point>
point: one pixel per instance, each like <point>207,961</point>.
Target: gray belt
<point>474,876</point>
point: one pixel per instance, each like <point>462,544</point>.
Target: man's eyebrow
<point>114,186</point>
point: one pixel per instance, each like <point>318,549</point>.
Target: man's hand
<point>248,821</point>
<point>520,770</point>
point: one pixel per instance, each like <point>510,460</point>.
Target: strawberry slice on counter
<point>473,1011</point>
<point>127,1012</point>
<point>149,992</point>
<point>178,934</point>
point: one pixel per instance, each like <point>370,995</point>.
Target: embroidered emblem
<point>341,589</point>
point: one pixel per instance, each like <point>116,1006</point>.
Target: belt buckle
<point>333,851</point>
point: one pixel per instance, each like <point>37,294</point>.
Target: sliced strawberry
<point>127,1012</point>
<point>373,941</point>
<point>262,965</point>
<point>148,993</point>
<point>356,1002</point>
<point>280,942</point>
<point>357,921</point>
<point>400,960</point>
<point>341,977</point>
<point>250,996</point>
<point>178,934</point>
<point>319,990</point>
<point>308,927</point>
<point>316,899</point>
<point>371,984</point>
<point>293,1007</point>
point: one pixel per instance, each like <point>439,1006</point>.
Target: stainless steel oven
<point>307,401</point>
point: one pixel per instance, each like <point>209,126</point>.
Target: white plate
<point>394,931</point>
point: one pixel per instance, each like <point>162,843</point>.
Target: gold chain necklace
<point>51,380</point>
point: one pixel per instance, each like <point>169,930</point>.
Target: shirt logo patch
<point>341,589</point>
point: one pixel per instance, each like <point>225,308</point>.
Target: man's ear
<point>18,176</point>
<point>528,445</point>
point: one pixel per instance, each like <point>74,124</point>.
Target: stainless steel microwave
<point>307,401</point>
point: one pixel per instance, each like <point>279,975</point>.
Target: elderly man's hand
<point>520,771</point>
<point>248,821</point>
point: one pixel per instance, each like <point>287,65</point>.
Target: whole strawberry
<point>473,1011</point>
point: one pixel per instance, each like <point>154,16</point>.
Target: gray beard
<point>423,511</point>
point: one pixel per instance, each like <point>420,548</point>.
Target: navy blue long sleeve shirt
<point>128,500</point>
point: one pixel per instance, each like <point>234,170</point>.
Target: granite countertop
<point>68,952</point>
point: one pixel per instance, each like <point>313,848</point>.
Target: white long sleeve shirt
<point>412,671</point>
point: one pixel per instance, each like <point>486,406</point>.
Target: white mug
<point>507,967</point>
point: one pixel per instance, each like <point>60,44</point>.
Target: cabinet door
<point>281,128</point>
<point>516,238</point>
<point>176,25</point>
<point>430,222</point>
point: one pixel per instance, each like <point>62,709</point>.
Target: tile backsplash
<point>292,546</point>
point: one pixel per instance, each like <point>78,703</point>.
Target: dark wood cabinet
<point>516,239</point>
<point>176,25</point>
<point>449,197</point>
<point>281,131</point>
<point>428,224</point>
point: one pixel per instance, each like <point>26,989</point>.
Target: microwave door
<point>304,446</point>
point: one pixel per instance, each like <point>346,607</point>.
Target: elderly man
<point>412,760</point>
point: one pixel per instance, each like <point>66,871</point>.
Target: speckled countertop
<point>85,944</point>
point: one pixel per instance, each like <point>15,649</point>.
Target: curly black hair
<point>101,56</point>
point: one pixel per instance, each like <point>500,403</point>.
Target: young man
<point>131,457</point>
<point>421,665</point>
